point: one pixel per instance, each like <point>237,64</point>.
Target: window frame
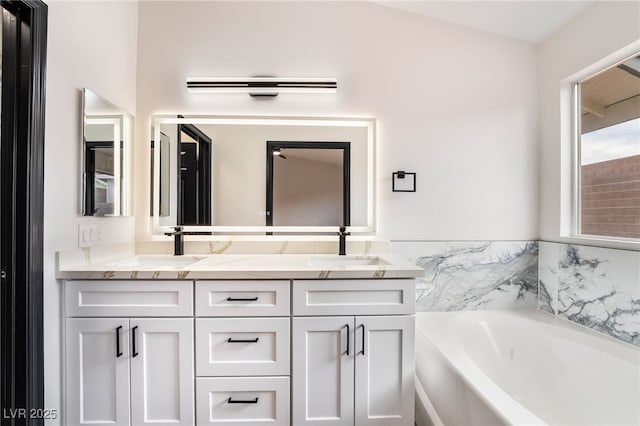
<point>571,228</point>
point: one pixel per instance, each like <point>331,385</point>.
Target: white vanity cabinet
<point>240,352</point>
<point>351,365</point>
<point>122,369</point>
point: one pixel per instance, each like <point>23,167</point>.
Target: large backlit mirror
<point>262,175</point>
<point>106,157</point>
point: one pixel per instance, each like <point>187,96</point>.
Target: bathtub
<point>521,368</point>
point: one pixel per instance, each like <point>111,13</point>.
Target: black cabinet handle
<point>239,299</point>
<point>242,401</point>
<point>133,332</point>
<point>231,340</point>
<point>118,351</point>
<point>348,337</point>
<point>363,342</point>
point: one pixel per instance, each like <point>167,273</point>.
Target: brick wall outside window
<point>611,198</point>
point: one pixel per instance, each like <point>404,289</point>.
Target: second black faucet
<point>342,245</point>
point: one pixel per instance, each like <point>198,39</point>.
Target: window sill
<point>604,242</point>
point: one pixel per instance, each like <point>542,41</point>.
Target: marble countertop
<point>128,265</point>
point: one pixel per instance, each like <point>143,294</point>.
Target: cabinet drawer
<point>242,298</point>
<point>129,298</point>
<point>242,401</point>
<point>353,297</point>
<point>242,347</point>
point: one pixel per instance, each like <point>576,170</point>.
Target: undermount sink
<point>346,261</point>
<point>151,261</point>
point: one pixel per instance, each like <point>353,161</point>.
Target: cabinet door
<point>162,371</point>
<point>97,371</point>
<point>322,373</point>
<point>384,371</point>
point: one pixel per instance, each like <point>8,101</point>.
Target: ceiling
<point>612,96</point>
<point>611,87</point>
<point>530,21</point>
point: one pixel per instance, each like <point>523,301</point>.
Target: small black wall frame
<point>403,175</point>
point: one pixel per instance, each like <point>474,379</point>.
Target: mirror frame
<point>123,203</point>
<point>362,122</point>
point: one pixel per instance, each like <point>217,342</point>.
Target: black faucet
<point>342,249</point>
<point>178,240</point>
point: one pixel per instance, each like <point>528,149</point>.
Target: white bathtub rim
<point>502,404</point>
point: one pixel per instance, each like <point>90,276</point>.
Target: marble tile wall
<point>596,287</point>
<point>474,275</point>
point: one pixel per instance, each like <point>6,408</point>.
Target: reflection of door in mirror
<point>194,176</point>
<point>102,179</point>
<point>99,174</point>
<point>308,183</point>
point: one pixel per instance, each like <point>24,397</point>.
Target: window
<point>608,148</point>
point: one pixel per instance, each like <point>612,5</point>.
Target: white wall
<point>455,105</point>
<point>90,44</point>
<point>598,32</point>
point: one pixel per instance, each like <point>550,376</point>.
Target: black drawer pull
<point>231,340</point>
<point>240,299</point>
<point>118,351</point>
<point>133,341</point>
<point>348,338</point>
<point>242,401</point>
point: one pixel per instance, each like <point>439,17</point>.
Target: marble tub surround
<point>239,266</point>
<point>199,245</point>
<point>470,275</point>
<point>596,287</point>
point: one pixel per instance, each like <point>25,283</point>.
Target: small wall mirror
<point>106,157</point>
<point>263,175</point>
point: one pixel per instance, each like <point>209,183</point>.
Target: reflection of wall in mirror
<point>164,175</point>
<point>98,132</point>
<point>169,214</point>
<point>307,192</point>
<point>164,189</point>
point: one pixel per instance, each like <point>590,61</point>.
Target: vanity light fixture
<point>262,86</point>
<point>402,181</point>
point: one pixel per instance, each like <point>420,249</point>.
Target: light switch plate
<point>89,235</point>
